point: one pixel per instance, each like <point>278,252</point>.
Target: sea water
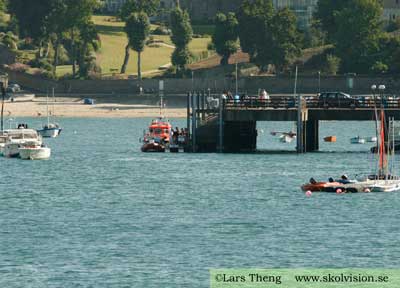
<point>100,213</point>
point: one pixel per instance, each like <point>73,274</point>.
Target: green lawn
<point>114,41</point>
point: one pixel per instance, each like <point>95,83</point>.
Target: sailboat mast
<point>47,108</point>
<point>54,106</point>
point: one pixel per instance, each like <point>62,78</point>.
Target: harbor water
<point>100,213</point>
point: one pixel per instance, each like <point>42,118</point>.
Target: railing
<point>285,103</point>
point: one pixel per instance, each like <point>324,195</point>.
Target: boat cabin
<point>160,129</point>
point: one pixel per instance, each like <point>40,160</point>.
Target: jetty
<point>230,126</point>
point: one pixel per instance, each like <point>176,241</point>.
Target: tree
<point>137,29</point>
<point>269,36</point>
<point>286,39</point>
<point>254,18</point>
<point>88,44</point>
<point>149,7</point>
<point>31,16</point>
<point>326,15</point>
<point>182,34</point>
<point>225,36</point>
<point>358,34</point>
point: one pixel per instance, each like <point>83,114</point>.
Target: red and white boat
<point>157,138</point>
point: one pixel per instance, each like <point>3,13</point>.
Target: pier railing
<point>286,103</point>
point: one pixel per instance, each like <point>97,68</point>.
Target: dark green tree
<point>254,18</point>
<point>326,15</point>
<point>87,43</point>
<point>358,34</point>
<point>150,7</point>
<point>30,16</point>
<point>286,39</point>
<point>182,34</point>
<point>137,28</point>
<point>225,36</point>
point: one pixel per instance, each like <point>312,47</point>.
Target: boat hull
<point>49,132</point>
<point>11,150</point>
<point>34,153</point>
<point>153,148</point>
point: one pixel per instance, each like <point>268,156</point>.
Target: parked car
<point>13,88</point>
<point>337,99</point>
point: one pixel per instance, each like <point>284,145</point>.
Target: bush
<point>41,63</point>
<point>332,64</point>
<point>211,46</point>
<point>379,68</point>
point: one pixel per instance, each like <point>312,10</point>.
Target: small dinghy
<point>330,139</point>
<point>357,140</point>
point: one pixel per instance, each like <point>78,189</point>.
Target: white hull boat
<point>372,139</point>
<point>286,138</point>
<point>49,132</point>
<point>17,138</point>
<point>357,140</point>
<point>34,153</point>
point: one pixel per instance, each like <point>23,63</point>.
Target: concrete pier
<point>238,119</point>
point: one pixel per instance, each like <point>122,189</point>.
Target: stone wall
<point>274,85</point>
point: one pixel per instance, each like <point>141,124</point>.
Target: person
<point>264,95</point>
<point>344,179</point>
<point>312,181</point>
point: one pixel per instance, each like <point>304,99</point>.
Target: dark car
<point>337,99</point>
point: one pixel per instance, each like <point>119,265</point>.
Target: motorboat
<point>314,186</point>
<point>357,140</point>
<point>157,137</point>
<point>17,138</point>
<point>34,152</point>
<point>50,130</point>
<point>371,139</point>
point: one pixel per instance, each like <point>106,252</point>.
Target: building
<point>304,10</point>
<point>113,6</point>
<point>391,9</point>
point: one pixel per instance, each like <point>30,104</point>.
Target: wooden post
<point>194,124</point>
<point>221,125</point>
<point>300,131</point>
<point>188,105</point>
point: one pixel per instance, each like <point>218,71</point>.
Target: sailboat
<point>50,130</point>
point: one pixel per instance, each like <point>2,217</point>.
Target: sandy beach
<point>74,107</point>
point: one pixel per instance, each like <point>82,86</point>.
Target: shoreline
<point>74,108</point>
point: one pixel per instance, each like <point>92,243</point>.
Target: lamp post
<point>319,82</point>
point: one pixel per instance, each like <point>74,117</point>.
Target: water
<point>102,214</point>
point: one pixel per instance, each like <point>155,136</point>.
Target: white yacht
<point>17,138</point>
